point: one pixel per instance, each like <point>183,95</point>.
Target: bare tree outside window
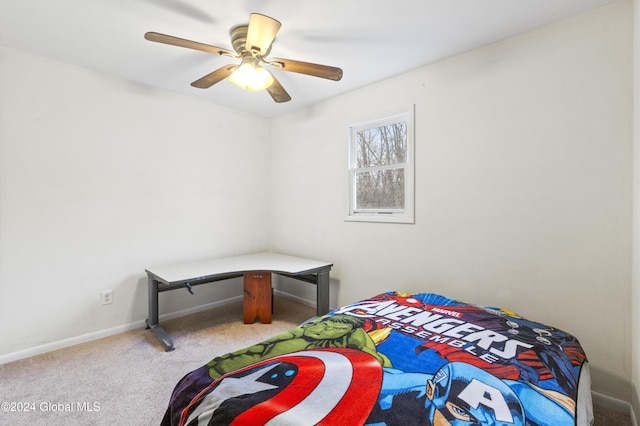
<point>384,147</point>
<point>379,163</point>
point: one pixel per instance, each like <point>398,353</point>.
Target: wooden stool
<point>258,297</point>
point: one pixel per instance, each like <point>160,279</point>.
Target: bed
<point>395,359</point>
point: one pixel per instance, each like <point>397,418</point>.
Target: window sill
<point>380,218</point>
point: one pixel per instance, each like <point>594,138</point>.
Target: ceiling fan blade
<point>181,42</point>
<point>316,70</point>
<point>261,33</point>
<point>277,92</point>
<point>214,77</point>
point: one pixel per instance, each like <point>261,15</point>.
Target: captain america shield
<point>292,389</point>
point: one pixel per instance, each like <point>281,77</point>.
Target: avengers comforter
<point>394,359</point>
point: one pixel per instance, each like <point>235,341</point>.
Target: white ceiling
<point>369,39</point>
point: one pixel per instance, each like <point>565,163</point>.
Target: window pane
<point>382,146</point>
<point>380,189</point>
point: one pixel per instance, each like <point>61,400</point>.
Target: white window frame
<point>405,215</point>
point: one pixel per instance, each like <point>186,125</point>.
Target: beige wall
<point>101,178</point>
<point>523,184</point>
<point>635,302</point>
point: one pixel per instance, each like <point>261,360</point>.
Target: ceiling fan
<point>251,43</point>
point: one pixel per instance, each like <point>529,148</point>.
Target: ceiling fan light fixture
<point>252,77</point>
<point>251,44</point>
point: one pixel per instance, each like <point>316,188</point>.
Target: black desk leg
<point>152,321</point>
<point>322,293</point>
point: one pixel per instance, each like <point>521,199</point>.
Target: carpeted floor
<point>127,379</point>
<point>606,417</point>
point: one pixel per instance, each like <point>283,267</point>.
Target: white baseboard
<point>298,299</point>
<point>614,404</point>
<point>199,308</point>
<point>65,343</point>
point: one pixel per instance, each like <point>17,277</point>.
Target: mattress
<point>396,359</point>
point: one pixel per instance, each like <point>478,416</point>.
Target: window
<point>381,170</point>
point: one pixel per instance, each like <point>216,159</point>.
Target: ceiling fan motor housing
<point>239,41</point>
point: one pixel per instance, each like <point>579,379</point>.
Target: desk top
<point>265,261</point>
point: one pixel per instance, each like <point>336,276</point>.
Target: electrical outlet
<point>107,297</point>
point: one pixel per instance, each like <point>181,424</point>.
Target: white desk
<point>186,275</point>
